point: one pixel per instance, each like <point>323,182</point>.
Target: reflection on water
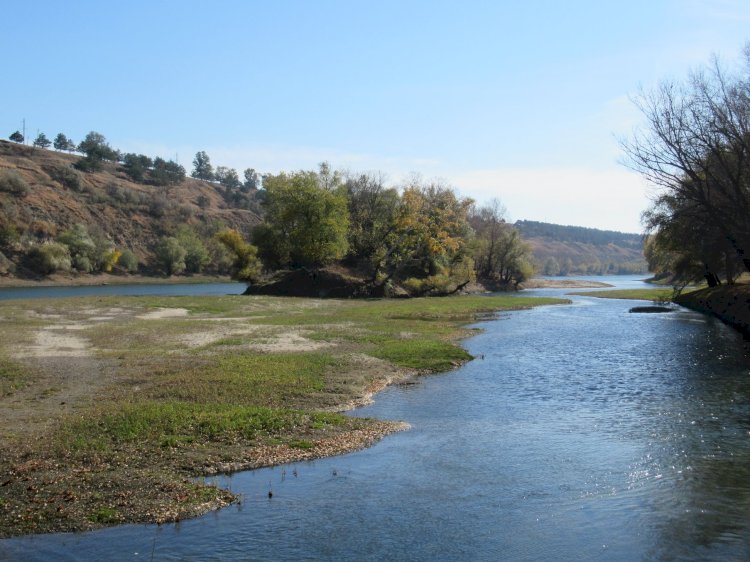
<point>585,433</point>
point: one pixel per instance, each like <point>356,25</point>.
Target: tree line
<point>419,236</point>
<point>422,238</point>
<point>696,148</point>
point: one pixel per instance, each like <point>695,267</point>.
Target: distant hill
<point>576,250</point>
<point>51,197</point>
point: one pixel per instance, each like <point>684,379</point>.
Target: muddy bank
<point>729,303</point>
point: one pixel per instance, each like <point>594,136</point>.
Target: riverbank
<point>85,280</point>
<point>112,406</point>
<point>729,303</point>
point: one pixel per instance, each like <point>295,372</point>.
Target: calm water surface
<point>160,289</point>
<point>585,433</point>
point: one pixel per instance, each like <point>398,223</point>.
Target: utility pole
<point>23,126</point>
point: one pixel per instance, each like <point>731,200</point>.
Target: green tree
<point>202,168</point>
<point>500,254</point>
<point>427,248</point>
<point>128,261</point>
<point>246,266</point>
<point>170,256</point>
<point>16,137</point>
<point>166,172</point>
<point>227,177</point>
<point>81,246</point>
<point>136,166</point>
<point>90,250</point>
<point>252,180</point>
<point>61,142</point>
<point>96,150</point>
<point>41,141</point>
<point>373,210</point>
<point>306,222</point>
<point>196,254</point>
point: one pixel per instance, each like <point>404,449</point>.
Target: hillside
<point>53,197</point>
<point>575,250</point>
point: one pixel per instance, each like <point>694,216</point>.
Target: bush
<point>88,164</point>
<point>48,258</point>
<point>170,256</point>
<point>6,266</point>
<point>196,254</point>
<point>66,176</point>
<point>11,182</point>
<point>128,261</point>
<point>8,235</point>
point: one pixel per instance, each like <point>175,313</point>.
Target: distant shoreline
<point>545,283</point>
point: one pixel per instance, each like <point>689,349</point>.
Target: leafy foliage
<point>62,142</point>
<point>306,220</point>
<point>16,136</point>
<point>170,255</point>
<point>41,141</point>
<point>136,166</point>
<point>48,258</point>
<point>96,150</point>
<point>202,168</point>
<point>227,177</point>
<point>246,266</point>
<point>128,261</point>
<point>499,252</point>
<point>166,172</point>
<point>196,254</point>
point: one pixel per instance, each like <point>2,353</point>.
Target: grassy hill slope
<point>571,250</point>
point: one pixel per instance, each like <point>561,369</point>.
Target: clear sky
<point>520,100</point>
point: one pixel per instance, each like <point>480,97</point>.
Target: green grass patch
<point>12,376</point>
<point>421,354</point>
<point>655,295</point>
<point>104,516</point>
<point>172,424</point>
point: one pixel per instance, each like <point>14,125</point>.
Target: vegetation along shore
<point>113,406</point>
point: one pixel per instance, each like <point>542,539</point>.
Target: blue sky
<point>517,100</point>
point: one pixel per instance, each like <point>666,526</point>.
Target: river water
<point>580,432</point>
<point>136,289</point>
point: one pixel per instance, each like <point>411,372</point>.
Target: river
<point>135,289</point>
<point>580,432</point>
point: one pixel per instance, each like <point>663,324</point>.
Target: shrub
<point>170,256</point>
<point>128,261</point>
<point>11,182</point>
<point>66,176</point>
<point>48,258</point>
<point>8,234</point>
<point>6,266</point>
<point>196,254</point>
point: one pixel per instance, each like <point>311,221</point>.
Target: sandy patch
<point>207,337</point>
<point>290,342</point>
<point>159,313</point>
<point>52,344</point>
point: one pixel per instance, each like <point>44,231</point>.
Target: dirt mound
<point>315,283</point>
